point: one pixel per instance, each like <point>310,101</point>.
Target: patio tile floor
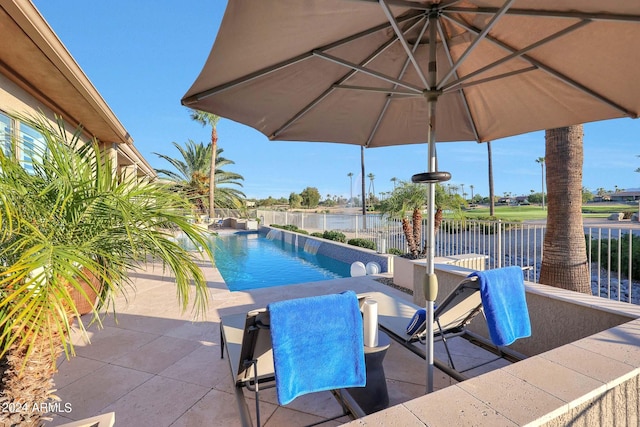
<point>155,366</point>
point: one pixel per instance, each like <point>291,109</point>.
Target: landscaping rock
<point>616,216</point>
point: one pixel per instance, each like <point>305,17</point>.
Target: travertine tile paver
<point>525,403</point>
<point>594,365</point>
<point>158,402</point>
<point>454,403</point>
<point>395,416</point>
<point>157,355</point>
<point>559,381</point>
<point>215,409</point>
<point>91,394</point>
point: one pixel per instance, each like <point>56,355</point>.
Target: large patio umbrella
<point>392,72</point>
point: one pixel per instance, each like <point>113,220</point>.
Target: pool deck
<point>157,367</point>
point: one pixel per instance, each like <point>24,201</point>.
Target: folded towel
<point>505,304</point>
<point>318,344</point>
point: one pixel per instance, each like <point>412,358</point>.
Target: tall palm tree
<point>394,180</point>
<point>565,263</point>
<point>350,175</point>
<point>540,160</point>
<point>209,119</point>
<point>191,175</point>
<point>69,221</point>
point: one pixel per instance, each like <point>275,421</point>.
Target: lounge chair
<point>451,317</point>
<point>257,352</point>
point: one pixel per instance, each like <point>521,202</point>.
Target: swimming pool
<point>251,261</point>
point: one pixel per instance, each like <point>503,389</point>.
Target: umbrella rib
<point>364,70</point>
<point>392,91</point>
<point>480,36</point>
<point>336,85</point>
<point>192,99</point>
<point>549,14</point>
<point>462,94</point>
<point>553,72</point>
<point>515,54</point>
<point>403,42</point>
<point>492,78</point>
<point>388,100</point>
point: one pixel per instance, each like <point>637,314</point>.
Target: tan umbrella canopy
<point>389,72</point>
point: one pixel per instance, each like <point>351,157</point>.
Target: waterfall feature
<point>274,234</point>
<point>311,246</point>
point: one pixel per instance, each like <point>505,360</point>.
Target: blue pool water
<point>251,261</point>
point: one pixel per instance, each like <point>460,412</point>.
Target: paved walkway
<point>156,367</point>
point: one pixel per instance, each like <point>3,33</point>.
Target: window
<point>5,133</point>
<point>32,146</point>
<point>30,143</point>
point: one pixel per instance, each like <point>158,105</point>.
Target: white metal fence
<point>504,243</point>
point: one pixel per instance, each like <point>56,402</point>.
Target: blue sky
<point>143,56</point>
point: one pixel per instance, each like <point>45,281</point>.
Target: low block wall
<point>410,273</point>
<point>336,250</point>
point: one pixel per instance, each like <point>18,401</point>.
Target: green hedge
<point>363,243</point>
<point>289,227</point>
<point>395,251</point>
<point>616,252</point>
<point>335,236</point>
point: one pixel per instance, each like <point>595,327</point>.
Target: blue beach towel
<point>505,304</point>
<point>318,344</point>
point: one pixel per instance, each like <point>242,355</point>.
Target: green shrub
<point>316,234</point>
<point>289,227</point>
<point>335,236</point>
<point>395,251</point>
<point>616,252</point>
<point>363,243</point>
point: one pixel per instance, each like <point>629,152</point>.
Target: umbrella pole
<point>430,282</point>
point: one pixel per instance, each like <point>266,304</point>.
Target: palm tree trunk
<point>212,173</point>
<point>417,227</point>
<point>26,391</point>
<point>564,262</point>
<point>408,234</point>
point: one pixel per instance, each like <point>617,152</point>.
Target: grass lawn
<point>524,213</point>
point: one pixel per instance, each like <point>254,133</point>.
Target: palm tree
<point>192,177</point>
<point>350,175</point>
<point>540,160</point>
<point>471,187</point>
<point>372,189</point>
<point>394,180</point>
<point>72,226</point>
<point>565,263</point>
<point>407,197</point>
<point>210,119</point>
